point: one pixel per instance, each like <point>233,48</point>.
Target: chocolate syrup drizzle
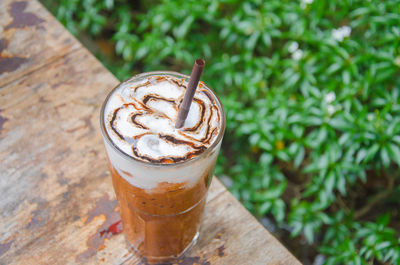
<point>198,146</point>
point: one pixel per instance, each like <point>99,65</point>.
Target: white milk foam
<point>140,119</point>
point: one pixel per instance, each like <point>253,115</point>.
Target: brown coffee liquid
<point>163,221</point>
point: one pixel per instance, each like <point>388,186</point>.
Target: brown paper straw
<point>191,88</point>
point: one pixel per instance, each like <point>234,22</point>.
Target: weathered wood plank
<point>231,235</point>
<point>30,37</point>
<point>53,170</point>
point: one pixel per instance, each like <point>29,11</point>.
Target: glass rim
<point>107,137</point>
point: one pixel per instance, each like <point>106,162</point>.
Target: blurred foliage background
<point>312,95</point>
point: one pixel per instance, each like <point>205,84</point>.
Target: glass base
<point>163,260</point>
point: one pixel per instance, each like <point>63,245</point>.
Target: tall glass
<point>161,219</point>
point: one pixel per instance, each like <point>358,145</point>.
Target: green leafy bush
<point>312,96</point>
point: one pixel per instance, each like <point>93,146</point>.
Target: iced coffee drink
<point>160,173</point>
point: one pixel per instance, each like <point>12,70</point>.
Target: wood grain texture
<point>30,38</point>
<point>56,199</point>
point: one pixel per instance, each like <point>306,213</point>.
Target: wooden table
<point>56,198</point>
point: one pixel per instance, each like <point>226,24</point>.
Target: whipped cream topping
<point>140,119</point>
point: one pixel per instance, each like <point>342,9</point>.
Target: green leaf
<point>362,153</point>
<point>293,148</point>
<point>334,67</point>
<point>295,118</point>
<point>181,30</point>
<point>396,139</point>
<point>344,139</point>
<point>141,52</point>
<point>384,154</point>
<point>309,233</point>
<point>312,120</point>
<point>383,219</point>
<point>266,38</point>
<point>339,123</point>
<point>283,155</point>
<point>341,184</point>
<point>265,145</point>
<point>371,152</point>
<point>266,158</point>
<point>346,77</point>
<point>299,157</point>
<point>383,245</point>
<point>252,41</point>
<point>330,181</point>
<point>278,210</point>
<point>109,4</point>
<point>394,152</point>
<point>264,208</point>
<point>254,138</point>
